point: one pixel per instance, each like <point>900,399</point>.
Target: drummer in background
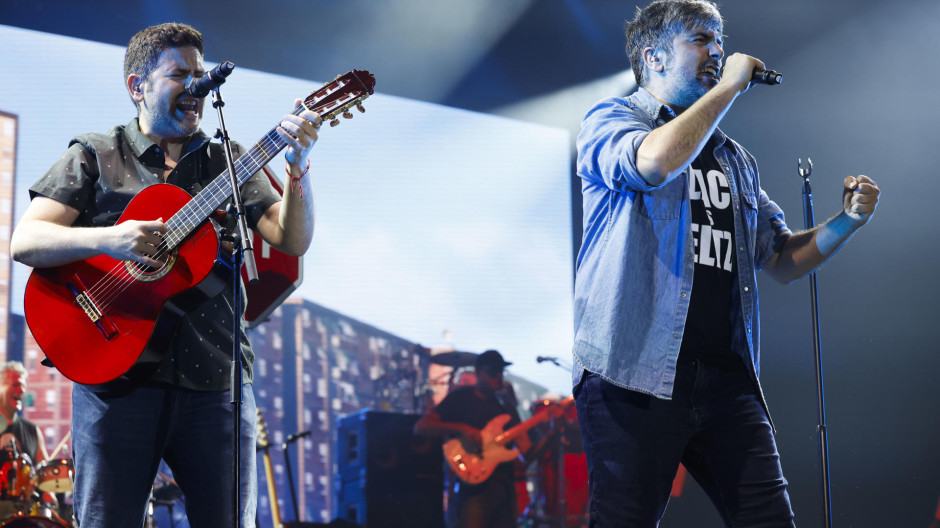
<point>27,437</point>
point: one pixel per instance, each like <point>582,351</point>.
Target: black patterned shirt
<point>100,173</point>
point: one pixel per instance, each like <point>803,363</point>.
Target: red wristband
<point>296,179</point>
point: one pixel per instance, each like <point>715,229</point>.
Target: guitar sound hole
<point>145,273</point>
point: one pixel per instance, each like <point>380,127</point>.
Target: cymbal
<point>454,359</point>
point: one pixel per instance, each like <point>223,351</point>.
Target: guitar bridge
<point>87,303</point>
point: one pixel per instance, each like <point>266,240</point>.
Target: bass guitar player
<point>464,414</point>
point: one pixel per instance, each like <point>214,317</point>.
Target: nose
<point>715,51</point>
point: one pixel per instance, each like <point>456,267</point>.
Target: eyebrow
<point>707,35</point>
<point>179,69</point>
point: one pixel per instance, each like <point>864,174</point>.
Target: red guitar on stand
<point>99,320</point>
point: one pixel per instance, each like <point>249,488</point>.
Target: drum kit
<point>34,497</point>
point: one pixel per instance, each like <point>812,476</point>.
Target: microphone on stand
<point>211,80</point>
<point>766,77</point>
<point>540,359</point>
<point>296,436</point>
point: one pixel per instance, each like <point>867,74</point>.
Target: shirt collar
<point>143,145</point>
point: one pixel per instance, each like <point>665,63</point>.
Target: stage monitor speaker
<point>386,477</point>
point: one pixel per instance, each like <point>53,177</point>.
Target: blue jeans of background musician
<point>714,424</point>
<point>490,504</point>
<point>118,443</point>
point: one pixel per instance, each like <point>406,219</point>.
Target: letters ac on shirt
<point>712,219</point>
<point>708,324</point>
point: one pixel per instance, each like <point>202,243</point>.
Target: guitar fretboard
<point>214,195</point>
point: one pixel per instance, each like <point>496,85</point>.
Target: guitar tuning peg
<point>360,108</point>
<point>347,115</point>
<point>334,122</point>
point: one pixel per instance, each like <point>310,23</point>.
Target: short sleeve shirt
<point>99,174</point>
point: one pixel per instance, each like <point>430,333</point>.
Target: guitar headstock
<point>262,431</point>
<point>339,95</point>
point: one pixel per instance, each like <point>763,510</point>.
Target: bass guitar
<point>103,320</point>
<point>474,466</point>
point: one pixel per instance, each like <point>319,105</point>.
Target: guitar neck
<point>272,490</point>
<point>268,470</point>
<point>214,195</point>
<point>330,100</point>
<point>510,434</point>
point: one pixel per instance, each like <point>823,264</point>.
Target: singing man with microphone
<point>666,309</point>
<point>183,413</point>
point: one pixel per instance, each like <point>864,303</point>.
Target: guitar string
<point>106,291</point>
<point>180,226</point>
<point>119,279</point>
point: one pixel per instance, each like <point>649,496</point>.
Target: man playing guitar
<point>465,412</point>
<point>182,413</point>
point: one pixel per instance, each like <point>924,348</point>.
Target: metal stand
<point>558,426</point>
<point>290,475</point>
<point>810,222</point>
<point>242,253</point>
<point>560,465</point>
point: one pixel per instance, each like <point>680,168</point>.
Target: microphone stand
<point>560,466</point>
<point>290,476</point>
<point>242,252</point>
<point>810,222</point>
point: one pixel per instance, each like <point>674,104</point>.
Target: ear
<point>135,87</point>
<point>652,59</point>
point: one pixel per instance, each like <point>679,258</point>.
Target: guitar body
<point>475,468</point>
<point>106,322</point>
<point>140,308</point>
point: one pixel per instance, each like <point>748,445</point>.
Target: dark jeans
<point>715,425</point>
<point>118,443</point>
<point>491,504</point>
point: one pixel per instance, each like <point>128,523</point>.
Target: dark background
<point>859,96</point>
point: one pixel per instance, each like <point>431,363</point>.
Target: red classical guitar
<point>103,320</point>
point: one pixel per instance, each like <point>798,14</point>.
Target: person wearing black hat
<point>463,414</point>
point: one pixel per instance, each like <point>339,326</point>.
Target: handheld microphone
<point>766,77</point>
<point>211,80</point>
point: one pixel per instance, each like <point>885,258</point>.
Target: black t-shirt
<point>475,408</point>
<point>708,325</point>
<point>25,434</point>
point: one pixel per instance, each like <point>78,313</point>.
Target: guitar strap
<point>217,158</point>
<point>507,399</point>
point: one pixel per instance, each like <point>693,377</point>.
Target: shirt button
<point>746,288</point>
<point>684,294</point>
<point>740,248</point>
<point>675,336</point>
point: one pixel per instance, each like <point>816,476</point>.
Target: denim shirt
<point>635,267</point>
